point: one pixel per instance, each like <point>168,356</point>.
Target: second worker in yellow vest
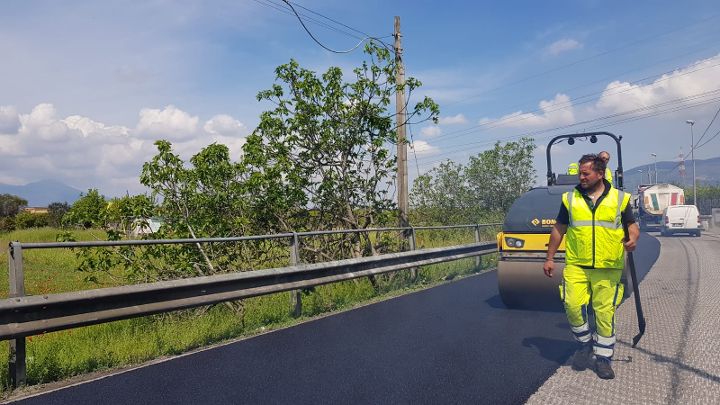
<point>605,156</point>
<point>592,217</point>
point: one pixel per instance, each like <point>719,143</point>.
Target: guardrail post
<point>295,295</point>
<point>16,362</point>
<point>478,259</point>
<point>413,245</point>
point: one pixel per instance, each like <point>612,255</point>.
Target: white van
<point>681,219</point>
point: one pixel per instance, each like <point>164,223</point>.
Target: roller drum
<point>523,285</point>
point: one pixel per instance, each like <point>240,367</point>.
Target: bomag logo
<point>543,221</point>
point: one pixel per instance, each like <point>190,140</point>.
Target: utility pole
<point>654,155</point>
<point>692,156</point>
<point>402,176</point>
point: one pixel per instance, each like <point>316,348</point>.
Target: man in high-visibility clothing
<point>591,217</point>
<point>605,156</point>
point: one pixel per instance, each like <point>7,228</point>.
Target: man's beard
<point>591,186</point>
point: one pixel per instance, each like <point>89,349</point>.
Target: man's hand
<point>549,267</point>
<point>630,245</point>
<point>632,236</point>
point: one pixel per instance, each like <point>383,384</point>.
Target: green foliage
<point>7,224</point>
<point>10,205</point>
<point>57,211</point>
<point>124,213</point>
<point>500,175</point>
<point>25,220</point>
<point>325,147</point>
<point>708,198</point>
<point>482,191</point>
<point>319,160</point>
<point>88,212</point>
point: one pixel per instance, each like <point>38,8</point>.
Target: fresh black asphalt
<point>455,343</point>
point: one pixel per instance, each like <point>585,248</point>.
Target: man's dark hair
<point>597,163</point>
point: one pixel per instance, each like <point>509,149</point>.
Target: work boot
<point>582,359</point>
<point>603,369</point>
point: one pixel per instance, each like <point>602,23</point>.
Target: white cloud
<point>89,127</point>
<point>86,153</point>
<point>563,45</point>
<point>555,112</point>
<point>225,125</point>
<point>430,131</point>
<point>41,122</point>
<point>9,120</point>
<point>700,77</point>
<point>423,148</point>
<point>169,123</point>
<point>453,120</point>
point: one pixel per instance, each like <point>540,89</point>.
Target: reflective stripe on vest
<point>595,237</point>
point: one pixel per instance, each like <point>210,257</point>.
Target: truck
<point>652,200</point>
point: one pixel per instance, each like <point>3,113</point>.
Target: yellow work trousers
<point>604,288</point>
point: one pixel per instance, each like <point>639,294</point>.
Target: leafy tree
<point>441,196</point>
<point>25,220</point>
<point>125,213</point>
<point>708,197</point>
<point>88,211</point>
<point>325,147</point>
<point>7,224</point>
<point>56,211</point>
<point>483,190</point>
<point>10,205</point>
<point>319,160</point>
<point>497,177</point>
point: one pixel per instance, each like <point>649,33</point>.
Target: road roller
<point>523,242</point>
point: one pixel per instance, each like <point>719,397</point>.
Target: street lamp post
<point>654,155</point>
<point>692,156</point>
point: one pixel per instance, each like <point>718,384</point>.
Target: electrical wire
<point>644,116</point>
<point>597,55</point>
<point>572,102</point>
<point>323,45</point>
<point>709,125</point>
<point>281,8</point>
<point>412,144</point>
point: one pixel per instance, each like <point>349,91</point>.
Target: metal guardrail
<point>22,316</point>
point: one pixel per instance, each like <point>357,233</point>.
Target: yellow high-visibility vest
<point>573,169</point>
<point>608,175</point>
<point>595,239</point>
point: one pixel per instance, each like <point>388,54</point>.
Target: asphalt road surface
<point>455,343</point>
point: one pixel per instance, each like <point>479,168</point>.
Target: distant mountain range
<point>43,193</point>
<point>707,173</point>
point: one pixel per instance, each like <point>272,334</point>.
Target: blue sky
<point>85,87</point>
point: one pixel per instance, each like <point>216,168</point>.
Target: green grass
<point>59,355</point>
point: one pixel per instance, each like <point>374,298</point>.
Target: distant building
<point>35,210</point>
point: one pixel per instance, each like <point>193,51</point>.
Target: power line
<point>572,102</point>
<point>412,144</point>
<point>708,141</point>
<point>709,125</point>
<point>644,116</point>
<point>283,9</point>
<point>330,19</point>
<point>681,99</point>
<point>323,45</point>
<point>646,39</point>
